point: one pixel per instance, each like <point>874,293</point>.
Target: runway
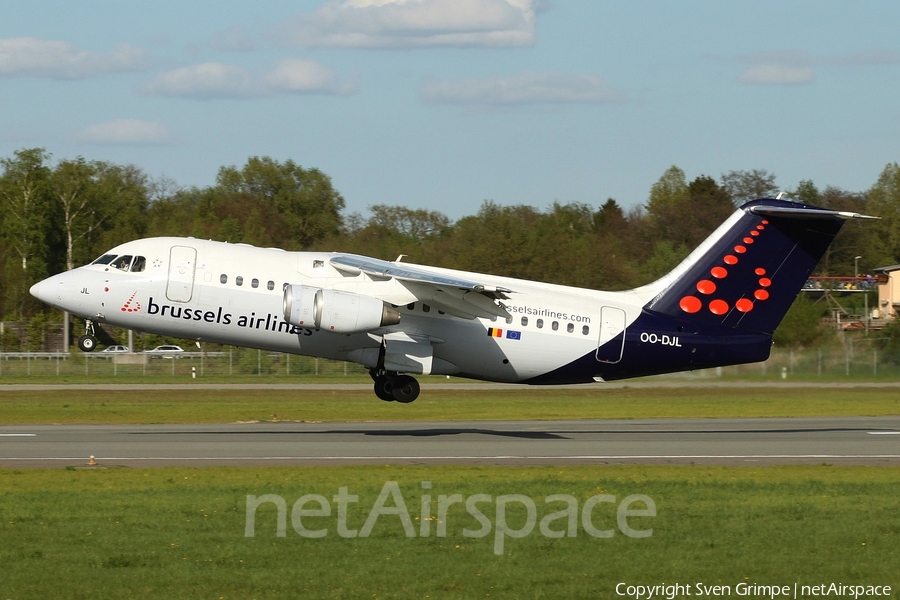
<point>838,440</point>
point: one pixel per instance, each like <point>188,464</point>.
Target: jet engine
<point>334,310</point>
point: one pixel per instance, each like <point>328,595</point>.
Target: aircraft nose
<point>50,290</point>
<point>39,290</point>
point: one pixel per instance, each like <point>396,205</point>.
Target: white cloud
<point>777,75</point>
<point>525,88</point>
<point>60,60</point>
<point>306,76</point>
<point>125,131</point>
<point>218,80</point>
<point>235,39</point>
<point>206,80</point>
<point>786,67</point>
<point>412,23</point>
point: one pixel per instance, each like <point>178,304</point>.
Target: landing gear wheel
<point>87,343</point>
<point>405,389</point>
<point>384,388</point>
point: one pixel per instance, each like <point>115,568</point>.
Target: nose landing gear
<point>392,387</point>
<point>88,341</point>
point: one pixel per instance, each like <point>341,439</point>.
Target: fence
<point>860,360</point>
<point>232,362</point>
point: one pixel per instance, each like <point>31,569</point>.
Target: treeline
<point>56,216</point>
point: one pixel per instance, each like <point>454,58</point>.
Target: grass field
<point>222,406</point>
<point>180,533</point>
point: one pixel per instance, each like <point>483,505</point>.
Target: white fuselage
<point>233,294</point>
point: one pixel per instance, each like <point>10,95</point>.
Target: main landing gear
<point>88,341</point>
<point>392,387</point>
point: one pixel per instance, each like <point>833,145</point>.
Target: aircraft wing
<point>461,297</point>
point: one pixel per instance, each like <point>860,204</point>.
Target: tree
<point>802,325</point>
<point>807,193</point>
<point>685,214</point>
<point>670,190</point>
<point>24,191</point>
<point>307,205</point>
<point>854,238</point>
<point>394,230</point>
<point>884,202</point>
<point>26,229</point>
<point>72,183</point>
<point>669,199</point>
<point>744,186</point>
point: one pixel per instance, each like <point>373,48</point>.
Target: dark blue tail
<point>747,274</point>
<point>721,305</point>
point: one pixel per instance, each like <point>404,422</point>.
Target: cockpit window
<point>104,260</point>
<point>138,265</point>
<point>122,262</point>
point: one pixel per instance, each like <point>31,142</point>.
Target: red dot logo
<point>760,271</point>
<point>740,249</point>
<point>718,307</point>
<point>744,305</point>
<point>748,240</point>
<point>754,233</point>
<point>690,304</point>
<point>718,272</point>
<point>761,295</point>
<point>706,286</point>
<point>730,259</point>
<point>760,227</point>
<point>764,222</point>
<point>765,282</point>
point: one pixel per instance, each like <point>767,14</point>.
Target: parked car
<point>115,349</point>
<point>165,351</point>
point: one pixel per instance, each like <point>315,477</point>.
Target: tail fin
<point>750,270</point>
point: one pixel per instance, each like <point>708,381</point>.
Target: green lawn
<point>223,406</point>
<point>180,533</point>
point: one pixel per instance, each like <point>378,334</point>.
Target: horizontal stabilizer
<point>804,212</point>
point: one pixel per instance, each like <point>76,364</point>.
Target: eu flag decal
<point>513,335</point>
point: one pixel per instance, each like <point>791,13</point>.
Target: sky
<point>443,104</point>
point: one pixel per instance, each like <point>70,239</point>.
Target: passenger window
<point>555,326</point>
<point>270,285</point>
<point>426,308</point>
<point>255,283</point>
<point>223,278</point>
<point>411,306</point>
<point>540,323</point>
<point>509,320</point>
<point>104,260</point>
<point>524,321</point>
<point>239,280</point>
<point>570,327</point>
<point>138,265</point>
<point>122,262</point>
<point>585,330</point>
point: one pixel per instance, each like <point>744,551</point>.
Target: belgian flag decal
<point>498,333</point>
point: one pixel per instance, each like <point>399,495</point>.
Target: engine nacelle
<point>334,310</point>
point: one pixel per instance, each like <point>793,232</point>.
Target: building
<point>888,291</point>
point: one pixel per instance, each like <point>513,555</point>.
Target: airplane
<point>720,306</point>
